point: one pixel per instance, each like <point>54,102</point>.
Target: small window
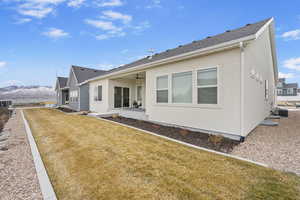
<point>162,89</point>
<point>207,86</point>
<point>266,89</point>
<point>182,87</point>
<point>139,93</point>
<point>98,93</point>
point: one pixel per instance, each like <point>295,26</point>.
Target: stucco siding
<point>224,117</point>
<point>99,106</point>
<point>258,59</point>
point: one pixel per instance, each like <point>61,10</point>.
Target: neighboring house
<point>223,84</point>
<point>286,89</point>
<point>62,92</point>
<point>79,92</point>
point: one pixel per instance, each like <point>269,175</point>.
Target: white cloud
<point>154,4</point>
<point>110,35</point>
<point>109,3</point>
<point>292,35</point>
<point>2,64</point>
<point>75,3</point>
<point>56,33</point>
<point>23,20</point>
<point>292,63</point>
<point>112,15</point>
<point>286,75</point>
<point>104,25</point>
<point>37,8</point>
<point>38,13</point>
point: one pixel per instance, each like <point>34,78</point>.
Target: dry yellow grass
<point>90,159</point>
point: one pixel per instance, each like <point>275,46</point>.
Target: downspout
<point>242,48</point>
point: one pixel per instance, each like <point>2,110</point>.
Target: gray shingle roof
<point>62,81</point>
<point>227,36</point>
<point>83,73</point>
<point>291,85</point>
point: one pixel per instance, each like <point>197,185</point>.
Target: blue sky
<point>42,38</point>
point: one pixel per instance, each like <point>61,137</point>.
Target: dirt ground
<point>278,147</point>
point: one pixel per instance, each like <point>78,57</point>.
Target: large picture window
<point>162,89</point>
<point>207,86</point>
<point>182,87</point>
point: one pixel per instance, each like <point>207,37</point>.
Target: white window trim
<point>171,87</point>
<point>168,88</point>
<point>136,94</point>
<point>194,103</point>
<point>96,86</point>
<point>209,86</point>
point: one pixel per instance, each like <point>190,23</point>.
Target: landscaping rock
<point>4,136</point>
<point>3,146</point>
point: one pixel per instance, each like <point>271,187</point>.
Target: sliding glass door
<point>121,96</point>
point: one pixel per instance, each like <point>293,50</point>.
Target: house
<point>62,92</point>
<point>77,89</point>
<point>286,89</point>
<point>224,84</point>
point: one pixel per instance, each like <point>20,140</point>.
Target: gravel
<point>278,147</point>
<point>18,178</point>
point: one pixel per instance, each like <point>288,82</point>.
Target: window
<point>74,96</point>
<point>266,89</point>
<point>98,93</point>
<point>182,87</point>
<point>139,93</point>
<point>162,89</point>
<point>207,86</point>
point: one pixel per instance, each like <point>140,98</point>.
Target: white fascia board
<point>208,50</point>
<point>262,29</point>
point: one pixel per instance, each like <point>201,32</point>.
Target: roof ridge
<point>88,68</point>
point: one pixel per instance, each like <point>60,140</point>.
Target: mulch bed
<point>216,143</point>
<point>67,110</point>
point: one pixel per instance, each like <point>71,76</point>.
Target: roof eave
<point>208,50</point>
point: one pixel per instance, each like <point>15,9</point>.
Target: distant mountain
<point>27,93</point>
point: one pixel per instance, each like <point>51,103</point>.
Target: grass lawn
<point>87,158</point>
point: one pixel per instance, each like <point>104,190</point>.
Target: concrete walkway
<point>278,147</point>
<point>18,178</point>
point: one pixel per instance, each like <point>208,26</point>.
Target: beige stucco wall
<point>99,106</point>
<point>222,118</point>
<point>258,56</point>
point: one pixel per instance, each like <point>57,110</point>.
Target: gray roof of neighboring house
<point>62,81</point>
<point>291,85</point>
<point>83,73</point>
<point>227,36</point>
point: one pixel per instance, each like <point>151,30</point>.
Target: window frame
<point>96,93</point>
<point>208,86</point>
<point>162,89</point>
<point>194,103</point>
<point>171,87</point>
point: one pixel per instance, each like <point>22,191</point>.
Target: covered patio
<point>128,96</point>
